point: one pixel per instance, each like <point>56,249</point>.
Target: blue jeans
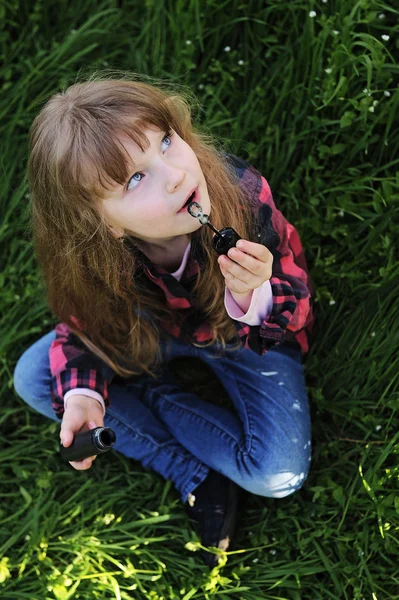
<point>264,445</point>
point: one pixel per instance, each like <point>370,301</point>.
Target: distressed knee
<point>275,485</point>
<point>279,485</point>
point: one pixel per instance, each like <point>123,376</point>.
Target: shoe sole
<point>229,526</point>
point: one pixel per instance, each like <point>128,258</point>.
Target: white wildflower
<point>371,109</point>
<point>387,94</point>
<point>385,37</point>
<point>328,71</point>
<point>240,62</point>
<point>255,560</point>
<point>341,213</point>
<point>201,86</point>
<point>378,427</point>
<point>372,334</point>
<point>324,1</point>
<point>227,49</point>
<point>273,551</point>
<point>188,42</point>
<point>312,14</point>
<point>332,301</point>
<point>375,102</point>
<point>381,16</point>
<point>336,32</point>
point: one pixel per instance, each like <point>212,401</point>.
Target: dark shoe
<point>215,512</point>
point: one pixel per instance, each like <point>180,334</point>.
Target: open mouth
<point>191,198</point>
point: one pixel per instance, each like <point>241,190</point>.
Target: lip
<point>184,208</point>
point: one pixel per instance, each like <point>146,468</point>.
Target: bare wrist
<point>83,401</point>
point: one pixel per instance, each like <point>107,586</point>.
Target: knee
<point>276,482</point>
<point>28,386</point>
<point>28,377</point>
<point>281,484</point>
<point>22,378</point>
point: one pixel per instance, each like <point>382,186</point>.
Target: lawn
<point>308,93</point>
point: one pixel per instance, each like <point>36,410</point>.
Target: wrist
<point>242,300</point>
<point>83,401</point>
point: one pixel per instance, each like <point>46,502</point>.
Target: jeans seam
<point>148,439</point>
<point>193,413</point>
<point>247,436</point>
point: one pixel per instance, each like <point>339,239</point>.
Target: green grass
<point>313,105</point>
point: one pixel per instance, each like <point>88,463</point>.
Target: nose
<point>176,178</point>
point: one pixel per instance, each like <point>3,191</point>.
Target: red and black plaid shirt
<point>290,321</point>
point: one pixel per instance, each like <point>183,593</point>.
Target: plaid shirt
<point>291,320</point>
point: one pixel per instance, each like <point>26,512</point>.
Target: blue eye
<point>168,136</point>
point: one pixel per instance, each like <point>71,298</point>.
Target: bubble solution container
<point>89,443</point>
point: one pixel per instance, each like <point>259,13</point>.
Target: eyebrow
<point>135,166</point>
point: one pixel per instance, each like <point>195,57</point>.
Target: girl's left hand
<point>246,268</point>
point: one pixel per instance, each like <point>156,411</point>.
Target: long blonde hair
<point>87,273</point>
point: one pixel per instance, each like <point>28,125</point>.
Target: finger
<point>232,270</point>
<point>255,266</point>
<point>234,284</point>
<point>254,249</point>
<point>66,436</point>
<point>237,286</point>
<point>72,422</point>
<point>82,465</point>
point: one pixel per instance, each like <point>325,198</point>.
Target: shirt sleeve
<point>74,367</point>
<point>290,310</point>
<point>260,307</point>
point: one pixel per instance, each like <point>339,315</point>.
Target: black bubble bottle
<point>89,443</point>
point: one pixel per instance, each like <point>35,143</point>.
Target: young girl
<point>135,282</point>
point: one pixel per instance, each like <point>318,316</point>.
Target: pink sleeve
<point>260,307</point>
<point>84,392</point>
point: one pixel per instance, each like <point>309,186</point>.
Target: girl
<point>135,282</point>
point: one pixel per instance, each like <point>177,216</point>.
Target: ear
<point>116,232</point>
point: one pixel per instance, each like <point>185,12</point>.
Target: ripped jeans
<point>264,445</point>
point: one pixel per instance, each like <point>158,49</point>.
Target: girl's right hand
<point>83,413</point>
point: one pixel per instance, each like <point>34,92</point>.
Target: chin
<point>196,225</point>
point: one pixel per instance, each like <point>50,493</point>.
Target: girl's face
<point>147,206</point>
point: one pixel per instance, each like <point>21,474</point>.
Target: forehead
<point>136,153</point>
<point>116,155</point>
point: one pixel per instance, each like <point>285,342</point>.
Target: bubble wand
<point>224,239</point>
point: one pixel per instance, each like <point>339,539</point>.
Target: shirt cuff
<point>84,392</point>
<point>261,305</point>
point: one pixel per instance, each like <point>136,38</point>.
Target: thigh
<point>278,372</point>
<point>270,396</point>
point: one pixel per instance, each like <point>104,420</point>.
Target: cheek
<point>153,211</point>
